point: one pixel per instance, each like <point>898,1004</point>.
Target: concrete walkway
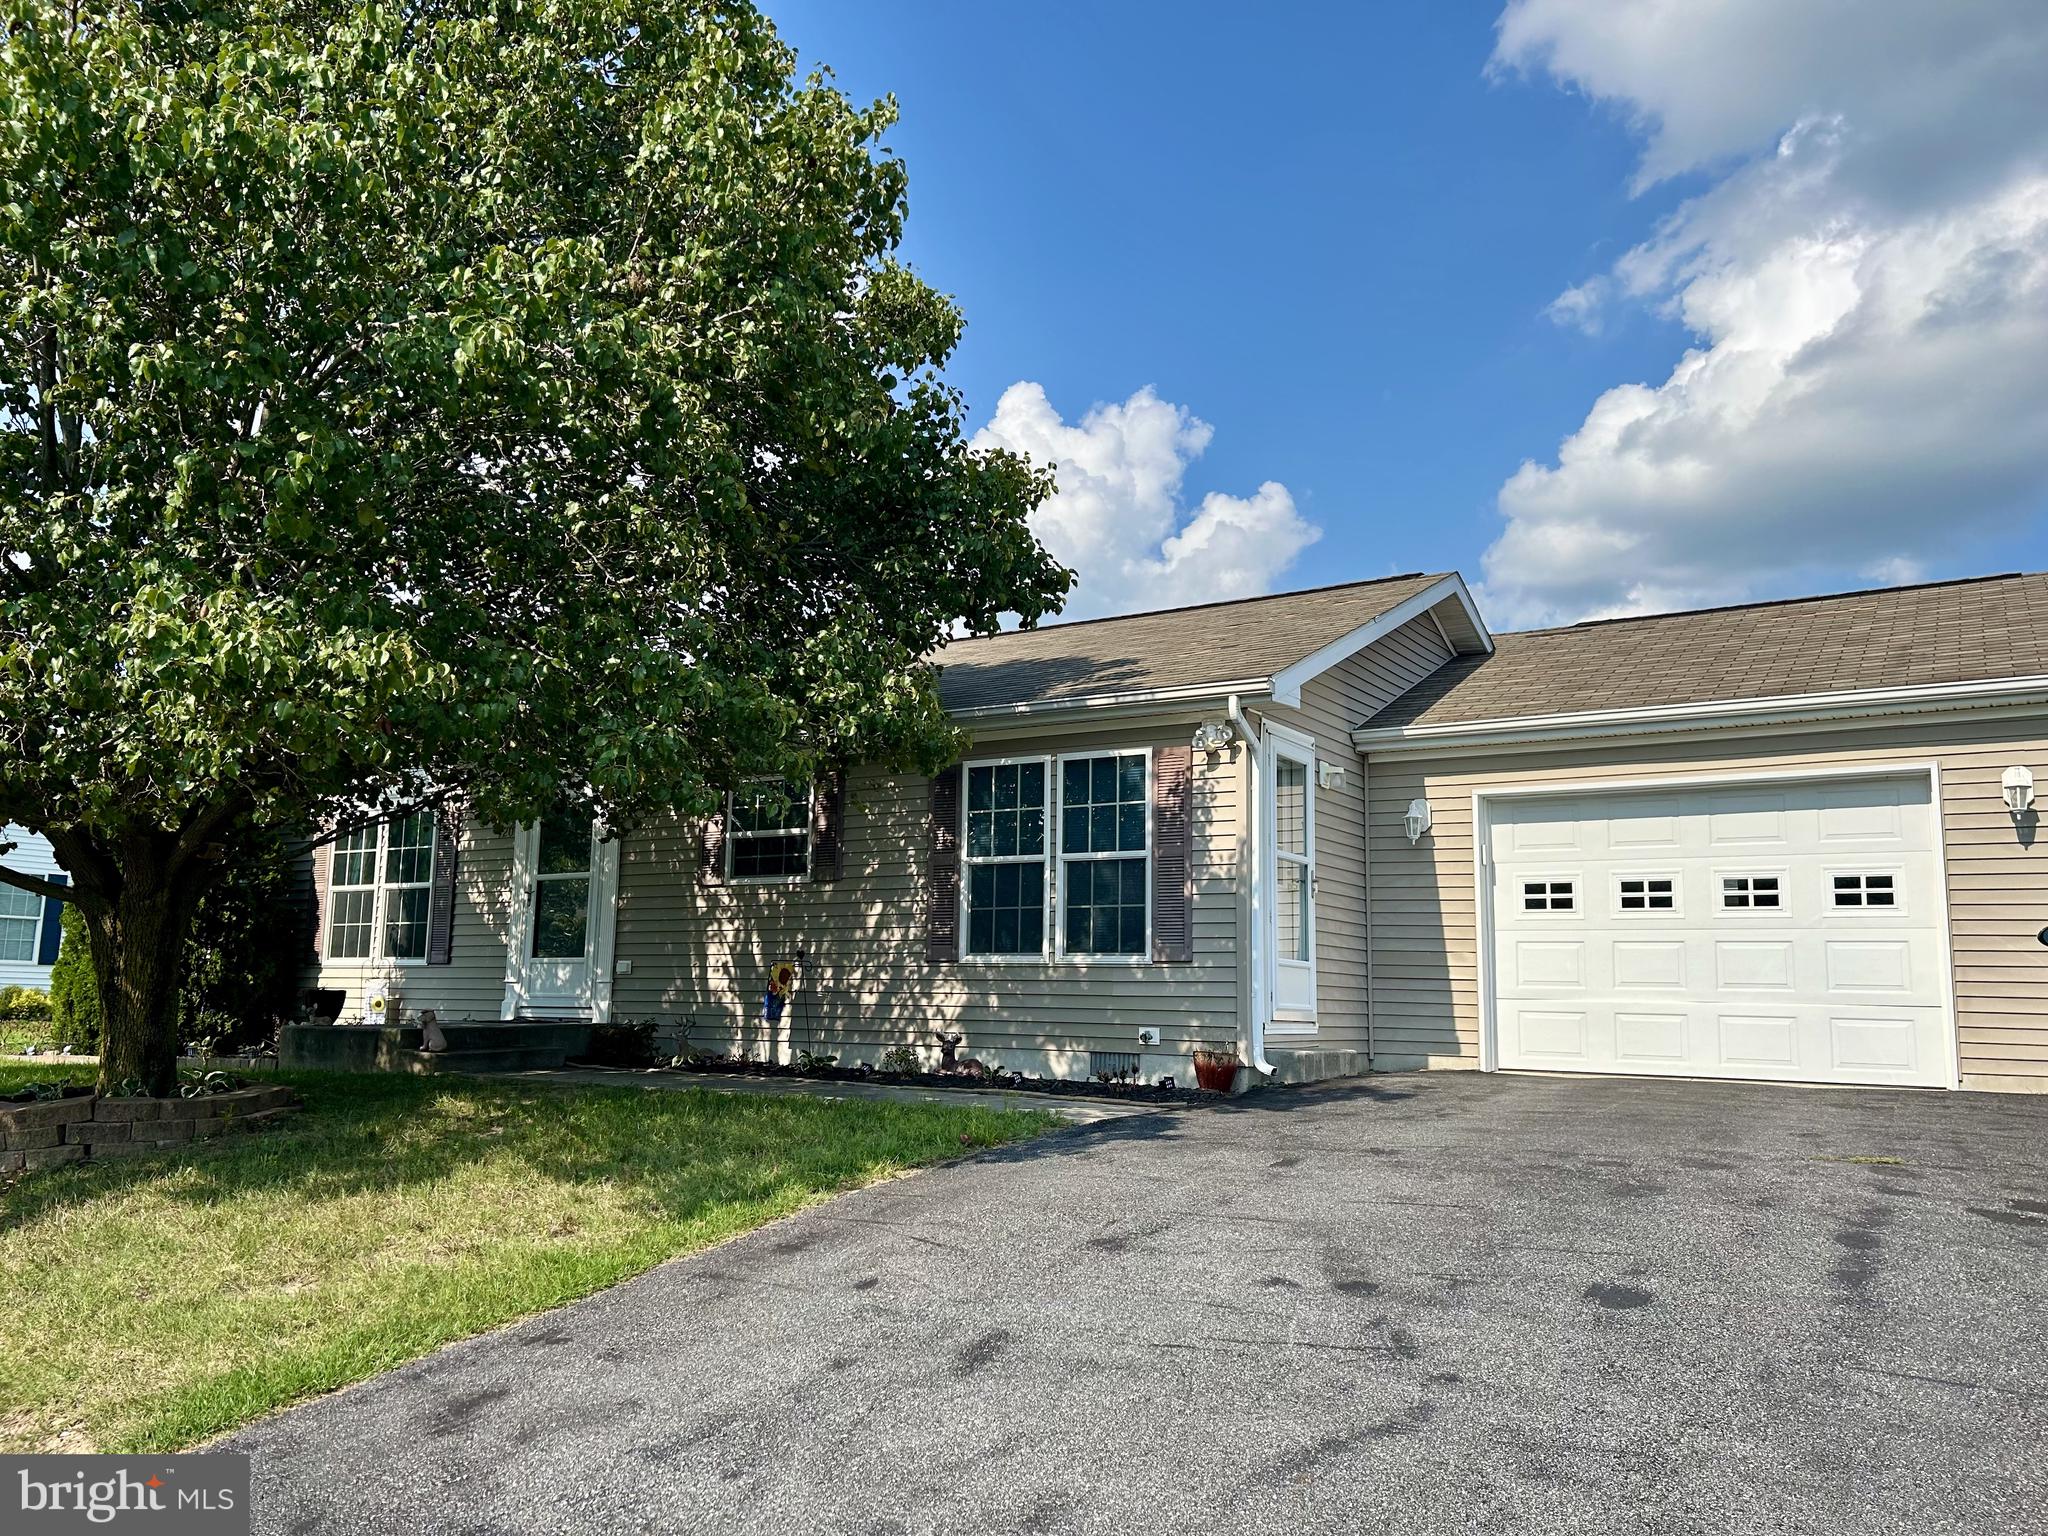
<point>1081,1111</point>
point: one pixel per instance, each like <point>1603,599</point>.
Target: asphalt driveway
<point>1418,1304</point>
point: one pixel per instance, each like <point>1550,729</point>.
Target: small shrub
<point>24,1005</point>
<point>628,1043</point>
<point>74,992</point>
<point>811,1061</point>
<point>901,1058</point>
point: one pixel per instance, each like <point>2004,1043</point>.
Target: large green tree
<point>517,401</point>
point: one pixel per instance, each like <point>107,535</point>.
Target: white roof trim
<point>1096,701</point>
<point>1704,715</point>
<point>1287,682</point>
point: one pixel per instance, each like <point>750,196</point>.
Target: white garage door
<point>1787,931</point>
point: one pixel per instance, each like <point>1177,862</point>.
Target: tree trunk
<point>138,952</point>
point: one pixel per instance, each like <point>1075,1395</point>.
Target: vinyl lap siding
<point>701,955</point>
<point>1425,992</point>
<point>1332,705</point>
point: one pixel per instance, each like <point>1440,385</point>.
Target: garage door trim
<point>1483,879</point>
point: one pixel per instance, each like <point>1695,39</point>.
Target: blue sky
<point>1336,237</point>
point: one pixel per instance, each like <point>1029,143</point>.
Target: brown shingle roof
<point>1946,632</point>
<point>1177,648</point>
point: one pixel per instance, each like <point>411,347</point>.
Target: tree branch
<point>436,802</point>
<point>35,885</point>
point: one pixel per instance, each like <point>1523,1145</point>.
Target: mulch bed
<point>1012,1082</point>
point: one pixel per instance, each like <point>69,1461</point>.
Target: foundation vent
<point>1114,1063</point>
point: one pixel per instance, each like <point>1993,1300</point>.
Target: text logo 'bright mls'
<point>204,1495</point>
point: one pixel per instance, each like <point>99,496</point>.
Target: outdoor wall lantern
<point>2018,784</point>
<point>1417,820</point>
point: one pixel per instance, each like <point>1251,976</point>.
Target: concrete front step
<point>567,1036</point>
<point>1310,1064</point>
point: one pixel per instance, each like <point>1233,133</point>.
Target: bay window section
<point>1104,854</point>
<point>1004,858</point>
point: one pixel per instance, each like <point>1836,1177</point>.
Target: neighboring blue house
<point>30,929</point>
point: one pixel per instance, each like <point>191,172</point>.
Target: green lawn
<point>149,1303</point>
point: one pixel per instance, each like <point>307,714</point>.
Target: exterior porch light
<point>2018,785</point>
<point>1211,736</point>
<point>1416,822</point>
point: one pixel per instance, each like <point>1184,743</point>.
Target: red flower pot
<point>1216,1074</point>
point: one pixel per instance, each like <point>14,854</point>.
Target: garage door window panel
<point>1866,890</point>
<point>1550,896</point>
<point>1646,894</point>
<point>1765,891</point>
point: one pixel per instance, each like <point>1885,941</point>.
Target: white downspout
<point>1243,727</point>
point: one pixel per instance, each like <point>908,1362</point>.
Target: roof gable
<point>1898,637</point>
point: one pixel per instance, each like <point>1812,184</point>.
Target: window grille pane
<point>1106,906</point>
<point>405,923</point>
<point>409,850</point>
<point>782,856</point>
<point>353,913</point>
<point>354,859</point>
<point>18,934</point>
<point>1103,810</point>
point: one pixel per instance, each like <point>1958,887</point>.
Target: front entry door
<point>1290,863</point>
<point>559,965</point>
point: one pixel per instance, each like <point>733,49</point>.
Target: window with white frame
<point>21,923</point>
<point>1105,858</point>
<point>769,833</point>
<point>1003,854</point>
<point>1085,818</point>
<point>379,884</point>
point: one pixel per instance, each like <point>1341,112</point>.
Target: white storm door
<point>1291,869</point>
<point>566,876</point>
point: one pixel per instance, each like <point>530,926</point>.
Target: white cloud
<point>1118,517</point>
<point>1867,276</point>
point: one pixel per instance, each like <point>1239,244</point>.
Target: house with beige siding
<point>1339,830</point>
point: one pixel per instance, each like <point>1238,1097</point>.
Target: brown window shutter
<point>711,846</point>
<point>828,823</point>
<point>441,896</point>
<point>942,870</point>
<point>1173,928</point>
<point>322,860</point>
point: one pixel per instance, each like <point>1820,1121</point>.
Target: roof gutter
<point>1865,705</point>
<point>1134,701</point>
